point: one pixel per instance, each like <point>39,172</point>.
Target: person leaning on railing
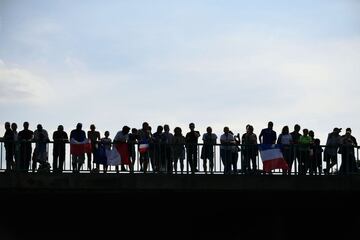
<point>304,148</point>
<point>40,154</point>
<point>78,135</point>
<point>60,138</point>
<point>25,138</point>
<point>331,149</point>
<point>348,161</point>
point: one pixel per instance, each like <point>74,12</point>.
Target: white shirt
<point>227,139</point>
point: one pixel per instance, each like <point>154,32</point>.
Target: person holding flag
<point>79,145</point>
<point>144,138</point>
<point>121,145</point>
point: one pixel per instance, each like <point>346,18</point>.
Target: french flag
<point>143,147</point>
<point>272,157</point>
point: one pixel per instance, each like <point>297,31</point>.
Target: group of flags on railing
<point>271,154</point>
<point>116,155</point>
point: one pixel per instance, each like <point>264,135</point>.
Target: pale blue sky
<point>210,62</point>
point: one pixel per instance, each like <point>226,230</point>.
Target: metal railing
<point>160,159</point>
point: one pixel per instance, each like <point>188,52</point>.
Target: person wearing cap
<point>348,161</point>
<point>331,149</point>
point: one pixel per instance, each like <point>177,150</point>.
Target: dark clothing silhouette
<point>9,148</point>
<point>60,138</point>
<point>191,149</point>
<point>25,136</point>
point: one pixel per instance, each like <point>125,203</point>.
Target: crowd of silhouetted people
<point>169,152</point>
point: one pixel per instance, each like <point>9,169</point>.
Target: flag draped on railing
<point>79,148</point>
<point>272,157</point>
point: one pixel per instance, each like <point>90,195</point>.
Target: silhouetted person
<point>312,160</point>
<point>179,149</point>
<point>227,142</point>
<point>25,138</point>
<point>40,154</point>
<point>250,149</point>
<point>318,152</point>
<point>295,152</point>
<point>348,161</point>
<point>331,149</point>
<point>144,137</point>
<point>207,151</point>
<point>105,145</point>
<point>268,135</point>
<point>122,138</point>
<point>285,140</point>
<point>191,147</point>
<point>167,140</point>
<point>60,138</point>
<point>133,136</point>
<point>16,144</point>
<point>94,137</point>
<point>235,153</point>
<point>157,148</point>
<point>9,147</point>
<point>304,147</point>
<point>78,159</point>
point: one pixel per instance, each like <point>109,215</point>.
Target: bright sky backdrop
<point>212,62</point>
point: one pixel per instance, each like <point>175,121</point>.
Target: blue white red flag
<point>113,157</point>
<point>143,146</point>
<point>272,157</point>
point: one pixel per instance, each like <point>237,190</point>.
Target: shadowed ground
<point>188,206</point>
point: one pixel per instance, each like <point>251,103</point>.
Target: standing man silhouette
<point>191,147</point>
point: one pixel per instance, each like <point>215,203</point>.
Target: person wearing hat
<point>331,149</point>
<point>348,161</point>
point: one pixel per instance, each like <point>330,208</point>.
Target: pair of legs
<point>77,162</point>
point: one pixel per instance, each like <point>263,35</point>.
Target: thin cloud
<point>21,86</point>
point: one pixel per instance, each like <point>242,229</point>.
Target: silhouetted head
<point>125,130</point>
<point>250,129</point>
<point>285,130</point>
<point>209,130</point>
<point>317,141</point>
<point>145,126</point>
<point>14,127</point>
<point>26,125</point>
<point>297,128</point>
<point>226,130</point>
<point>192,126</point>
<point>305,132</point>
<point>107,134</point>
<point>247,126</point>
<point>177,131</point>
<point>348,131</point>
<point>270,125</point>
<point>311,134</point>
<point>39,127</point>
<point>92,127</point>
<point>337,130</point>
<point>60,128</point>
<point>79,126</point>
<point>166,128</point>
<point>7,126</point>
<point>159,129</point>
<point>134,131</point>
